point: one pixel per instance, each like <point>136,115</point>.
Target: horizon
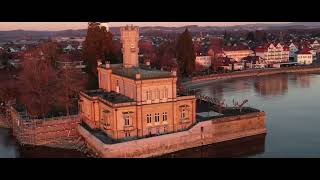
<point>58,26</point>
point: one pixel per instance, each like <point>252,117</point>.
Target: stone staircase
<point>80,145</point>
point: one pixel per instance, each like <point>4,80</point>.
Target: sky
<point>53,26</point>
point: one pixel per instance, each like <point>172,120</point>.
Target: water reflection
<point>236,148</point>
<point>302,81</point>
<point>291,104</point>
<point>271,85</point>
<point>8,148</point>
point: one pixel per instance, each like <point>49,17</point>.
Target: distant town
<point>222,50</point>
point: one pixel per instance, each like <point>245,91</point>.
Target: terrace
<point>145,73</point>
<point>112,96</point>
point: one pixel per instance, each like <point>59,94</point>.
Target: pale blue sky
<point>81,25</point>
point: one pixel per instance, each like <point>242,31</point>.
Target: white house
<point>204,61</point>
<point>304,57</point>
<point>69,48</point>
<point>23,48</point>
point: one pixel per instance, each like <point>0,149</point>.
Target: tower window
<point>157,117</point>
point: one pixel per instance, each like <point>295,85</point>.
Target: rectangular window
<point>184,114</point>
<point>148,95</point>
<point>157,94</point>
<point>127,134</point>
<point>164,116</point>
<point>157,117</point>
<point>126,120</point>
<point>165,93</point>
<point>149,118</point>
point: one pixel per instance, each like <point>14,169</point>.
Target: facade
<point>135,100</point>
<point>273,54</point>
<point>237,52</point>
<point>253,62</point>
<point>204,61</point>
<point>315,44</point>
<point>305,57</point>
<point>293,51</point>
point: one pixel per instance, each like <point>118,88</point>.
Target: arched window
<point>149,118</point>
<point>164,116</point>
<point>156,117</point>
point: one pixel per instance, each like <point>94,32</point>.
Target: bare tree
<point>71,81</point>
<point>38,86</point>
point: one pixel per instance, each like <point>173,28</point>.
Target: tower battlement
<point>129,28</point>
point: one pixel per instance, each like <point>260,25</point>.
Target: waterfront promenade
<point>251,73</point>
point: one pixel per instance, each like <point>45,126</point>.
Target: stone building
<point>135,100</point>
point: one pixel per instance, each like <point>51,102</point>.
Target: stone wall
<point>250,73</point>
<point>58,131</point>
<point>206,132</point>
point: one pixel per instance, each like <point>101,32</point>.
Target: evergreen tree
<point>185,54</point>
<point>250,36</point>
<point>226,37</point>
<point>97,45</point>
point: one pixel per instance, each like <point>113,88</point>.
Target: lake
<point>291,102</point>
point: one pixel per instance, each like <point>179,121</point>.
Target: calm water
<point>292,104</point>
<point>10,149</point>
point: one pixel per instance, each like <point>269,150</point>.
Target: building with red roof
<point>237,51</point>
<point>273,53</point>
<point>304,56</point>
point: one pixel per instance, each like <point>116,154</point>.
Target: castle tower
<point>130,50</point>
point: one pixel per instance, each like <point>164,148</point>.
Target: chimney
<point>138,76</point>
<point>174,72</point>
<point>107,64</point>
<point>99,62</point>
<point>147,62</point>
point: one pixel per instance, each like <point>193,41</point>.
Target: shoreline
<point>196,81</point>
